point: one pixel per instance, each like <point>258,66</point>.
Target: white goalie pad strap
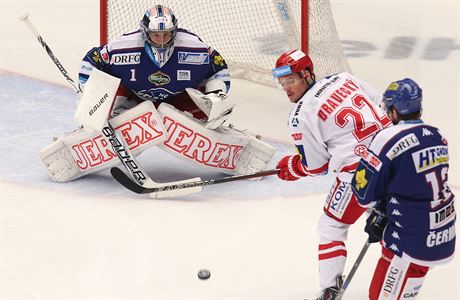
<point>217,106</point>
<point>86,151</point>
<point>225,149</point>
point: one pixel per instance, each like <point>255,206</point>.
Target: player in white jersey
<point>332,123</point>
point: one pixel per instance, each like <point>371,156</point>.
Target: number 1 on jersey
<point>133,75</point>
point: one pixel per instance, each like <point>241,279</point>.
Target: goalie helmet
<point>404,95</point>
<point>161,20</point>
<point>294,61</point>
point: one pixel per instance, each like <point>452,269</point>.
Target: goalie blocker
<point>226,150</point>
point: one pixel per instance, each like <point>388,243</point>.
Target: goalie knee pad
<point>85,151</point>
<point>224,149</point>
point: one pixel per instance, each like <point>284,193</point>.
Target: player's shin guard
<point>332,257</point>
<point>396,278</point>
<point>332,253</point>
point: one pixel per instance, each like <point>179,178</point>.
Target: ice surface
<point>92,239</point>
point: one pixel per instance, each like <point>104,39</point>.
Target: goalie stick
<point>124,180</point>
<point>25,19</point>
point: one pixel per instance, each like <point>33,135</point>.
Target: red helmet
<point>296,60</point>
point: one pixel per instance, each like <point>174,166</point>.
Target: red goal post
<point>250,34</point>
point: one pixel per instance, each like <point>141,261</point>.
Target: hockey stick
<point>122,151</point>
<point>353,270</point>
<point>155,191</point>
<point>25,18</point>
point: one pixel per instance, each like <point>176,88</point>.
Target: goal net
<point>250,35</point>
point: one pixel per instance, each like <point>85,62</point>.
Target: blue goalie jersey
<point>405,171</point>
<point>190,64</point>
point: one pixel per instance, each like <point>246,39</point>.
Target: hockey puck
<point>204,274</point>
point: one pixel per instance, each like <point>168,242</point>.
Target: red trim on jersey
<point>301,169</point>
<point>349,168</point>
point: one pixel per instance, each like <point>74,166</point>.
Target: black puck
<point>204,274</point>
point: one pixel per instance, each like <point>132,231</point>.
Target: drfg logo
<point>391,281</point>
<point>133,58</point>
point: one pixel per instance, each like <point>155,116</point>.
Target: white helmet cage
<point>157,19</point>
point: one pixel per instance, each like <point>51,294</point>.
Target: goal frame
<point>303,24</point>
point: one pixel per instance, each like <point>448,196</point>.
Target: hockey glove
<point>216,105</point>
<point>291,168</point>
<point>375,225</point>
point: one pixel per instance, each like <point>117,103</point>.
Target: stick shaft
<point>353,269</point>
<point>51,54</point>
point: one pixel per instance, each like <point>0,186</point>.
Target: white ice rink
<point>93,240</point>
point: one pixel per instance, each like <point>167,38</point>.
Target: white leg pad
<point>85,151</point>
<point>224,149</point>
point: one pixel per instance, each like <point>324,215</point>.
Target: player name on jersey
<point>337,97</point>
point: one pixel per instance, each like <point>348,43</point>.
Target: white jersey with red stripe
<point>334,121</point>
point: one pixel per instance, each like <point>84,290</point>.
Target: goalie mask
<point>159,27</point>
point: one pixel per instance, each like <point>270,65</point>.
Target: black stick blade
<point>125,181</point>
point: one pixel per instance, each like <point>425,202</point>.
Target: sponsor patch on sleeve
<point>371,159</point>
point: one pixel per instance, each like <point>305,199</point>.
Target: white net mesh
<point>250,34</point>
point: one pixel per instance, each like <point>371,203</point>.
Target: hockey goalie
<point>172,94</point>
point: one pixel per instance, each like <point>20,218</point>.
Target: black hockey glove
<point>375,224</point>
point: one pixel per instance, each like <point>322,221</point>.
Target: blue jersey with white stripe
<point>190,63</point>
<point>405,171</point>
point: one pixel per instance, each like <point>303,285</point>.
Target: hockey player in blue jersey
<point>173,94</point>
<point>158,62</point>
<point>403,177</point>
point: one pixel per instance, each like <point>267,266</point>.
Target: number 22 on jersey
<point>364,116</point>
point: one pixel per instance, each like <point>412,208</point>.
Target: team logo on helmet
<point>404,95</point>
<point>159,78</point>
<point>393,86</point>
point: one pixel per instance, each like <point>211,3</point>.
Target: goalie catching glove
<point>291,168</point>
<point>216,105</point>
